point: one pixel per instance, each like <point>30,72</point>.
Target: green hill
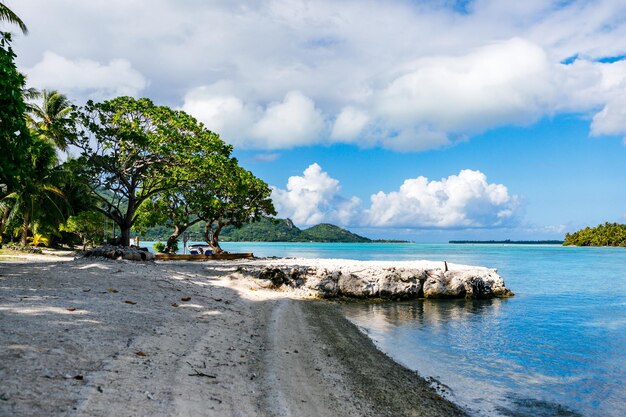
<point>270,230</point>
<point>266,230</point>
<point>283,230</point>
<point>330,233</point>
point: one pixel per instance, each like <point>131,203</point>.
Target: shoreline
<point>91,337</point>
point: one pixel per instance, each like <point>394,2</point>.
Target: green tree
<point>171,209</point>
<point>50,117</point>
<point>235,198</point>
<point>132,150</point>
<point>6,15</point>
<point>14,136</point>
<point>39,201</point>
<point>607,234</point>
<point>87,225</point>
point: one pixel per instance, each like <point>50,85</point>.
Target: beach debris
<point>130,302</point>
<point>112,290</point>
<point>141,353</point>
<point>71,309</point>
<point>185,299</point>
<point>199,373</point>
<point>174,305</point>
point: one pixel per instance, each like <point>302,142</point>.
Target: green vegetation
<point>267,229</point>
<point>607,234</point>
<point>139,165</point>
<point>329,233</point>
<point>7,15</point>
<point>283,230</point>
<point>509,242</point>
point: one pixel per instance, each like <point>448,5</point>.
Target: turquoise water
<point>558,348</point>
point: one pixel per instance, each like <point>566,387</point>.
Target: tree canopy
<point>607,234</point>
<point>132,150</point>
<point>138,164</point>
<point>14,135</point>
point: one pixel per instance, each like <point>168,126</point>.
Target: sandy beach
<point>92,337</point>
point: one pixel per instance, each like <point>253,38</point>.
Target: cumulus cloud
<point>293,121</point>
<point>222,113</point>
<point>349,124</point>
<point>463,200</point>
<point>505,82</point>
<point>85,78</point>
<point>302,73</point>
<point>314,198</point>
<point>466,200</point>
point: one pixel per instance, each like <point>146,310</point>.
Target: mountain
<point>283,230</point>
<point>330,233</point>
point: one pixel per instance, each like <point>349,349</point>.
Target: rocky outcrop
<point>120,252</point>
<point>384,282</point>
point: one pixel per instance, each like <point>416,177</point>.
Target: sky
<point>410,119</point>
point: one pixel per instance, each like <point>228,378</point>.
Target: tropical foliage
<point>7,15</point>
<point>137,165</point>
<point>607,234</point>
<point>283,230</point>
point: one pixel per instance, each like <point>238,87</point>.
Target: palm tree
<point>7,15</point>
<point>50,117</point>
<point>39,200</point>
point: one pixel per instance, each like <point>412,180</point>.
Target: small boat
<point>200,250</point>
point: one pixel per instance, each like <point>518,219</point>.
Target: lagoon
<point>556,348</point>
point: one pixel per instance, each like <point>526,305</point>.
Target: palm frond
<point>7,15</point>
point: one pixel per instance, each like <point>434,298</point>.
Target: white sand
<point>112,338</point>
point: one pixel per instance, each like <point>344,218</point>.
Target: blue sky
<point>422,120</point>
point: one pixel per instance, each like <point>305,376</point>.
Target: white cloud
<point>349,124</point>
<point>463,200</point>
<point>294,121</point>
<point>502,83</point>
<point>85,78</point>
<point>266,157</point>
<point>403,75</point>
<point>222,113</point>
<point>466,200</point>
<point>314,198</point>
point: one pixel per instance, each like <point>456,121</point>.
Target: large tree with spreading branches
<point>132,150</point>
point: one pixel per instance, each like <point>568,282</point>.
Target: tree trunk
<point>125,236</point>
<point>213,239</point>
<point>3,221</point>
<point>173,238</point>
<point>25,222</point>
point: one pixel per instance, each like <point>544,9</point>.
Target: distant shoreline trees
<point>607,234</point>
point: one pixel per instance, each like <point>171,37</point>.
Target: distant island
<point>508,242</point>
<point>607,234</point>
<point>273,230</point>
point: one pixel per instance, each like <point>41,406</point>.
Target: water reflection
<point>493,363</point>
<point>434,313</point>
